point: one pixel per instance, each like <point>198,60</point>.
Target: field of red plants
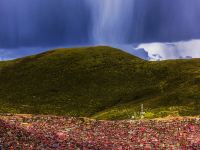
<point>23,132</point>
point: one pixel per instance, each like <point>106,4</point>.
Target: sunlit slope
<point>102,82</point>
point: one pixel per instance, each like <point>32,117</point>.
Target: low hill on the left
<point>76,82</point>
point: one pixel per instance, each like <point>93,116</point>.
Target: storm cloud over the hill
<point>49,23</point>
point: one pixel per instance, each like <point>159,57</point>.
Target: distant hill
<point>99,82</point>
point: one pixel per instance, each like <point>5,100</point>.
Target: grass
<point>99,82</point>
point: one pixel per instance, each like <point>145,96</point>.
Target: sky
<point>28,27</point>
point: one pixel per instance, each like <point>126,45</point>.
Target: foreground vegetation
<point>99,82</point>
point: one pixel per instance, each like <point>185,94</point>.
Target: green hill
<point>99,82</point>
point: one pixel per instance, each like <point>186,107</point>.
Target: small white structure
<point>142,113</point>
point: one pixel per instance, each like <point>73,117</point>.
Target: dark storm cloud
<point>42,22</point>
<point>166,20</point>
<point>32,23</point>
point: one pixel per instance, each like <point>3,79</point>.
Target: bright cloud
<point>175,50</point>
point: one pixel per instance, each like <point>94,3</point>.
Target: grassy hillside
<point>100,82</point>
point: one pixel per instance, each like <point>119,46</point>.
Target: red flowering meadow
<point>61,133</point>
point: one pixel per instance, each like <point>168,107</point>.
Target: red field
<point>61,133</point>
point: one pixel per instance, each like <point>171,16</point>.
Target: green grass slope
<point>99,82</point>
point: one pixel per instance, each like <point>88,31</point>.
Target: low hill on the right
<point>176,93</point>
